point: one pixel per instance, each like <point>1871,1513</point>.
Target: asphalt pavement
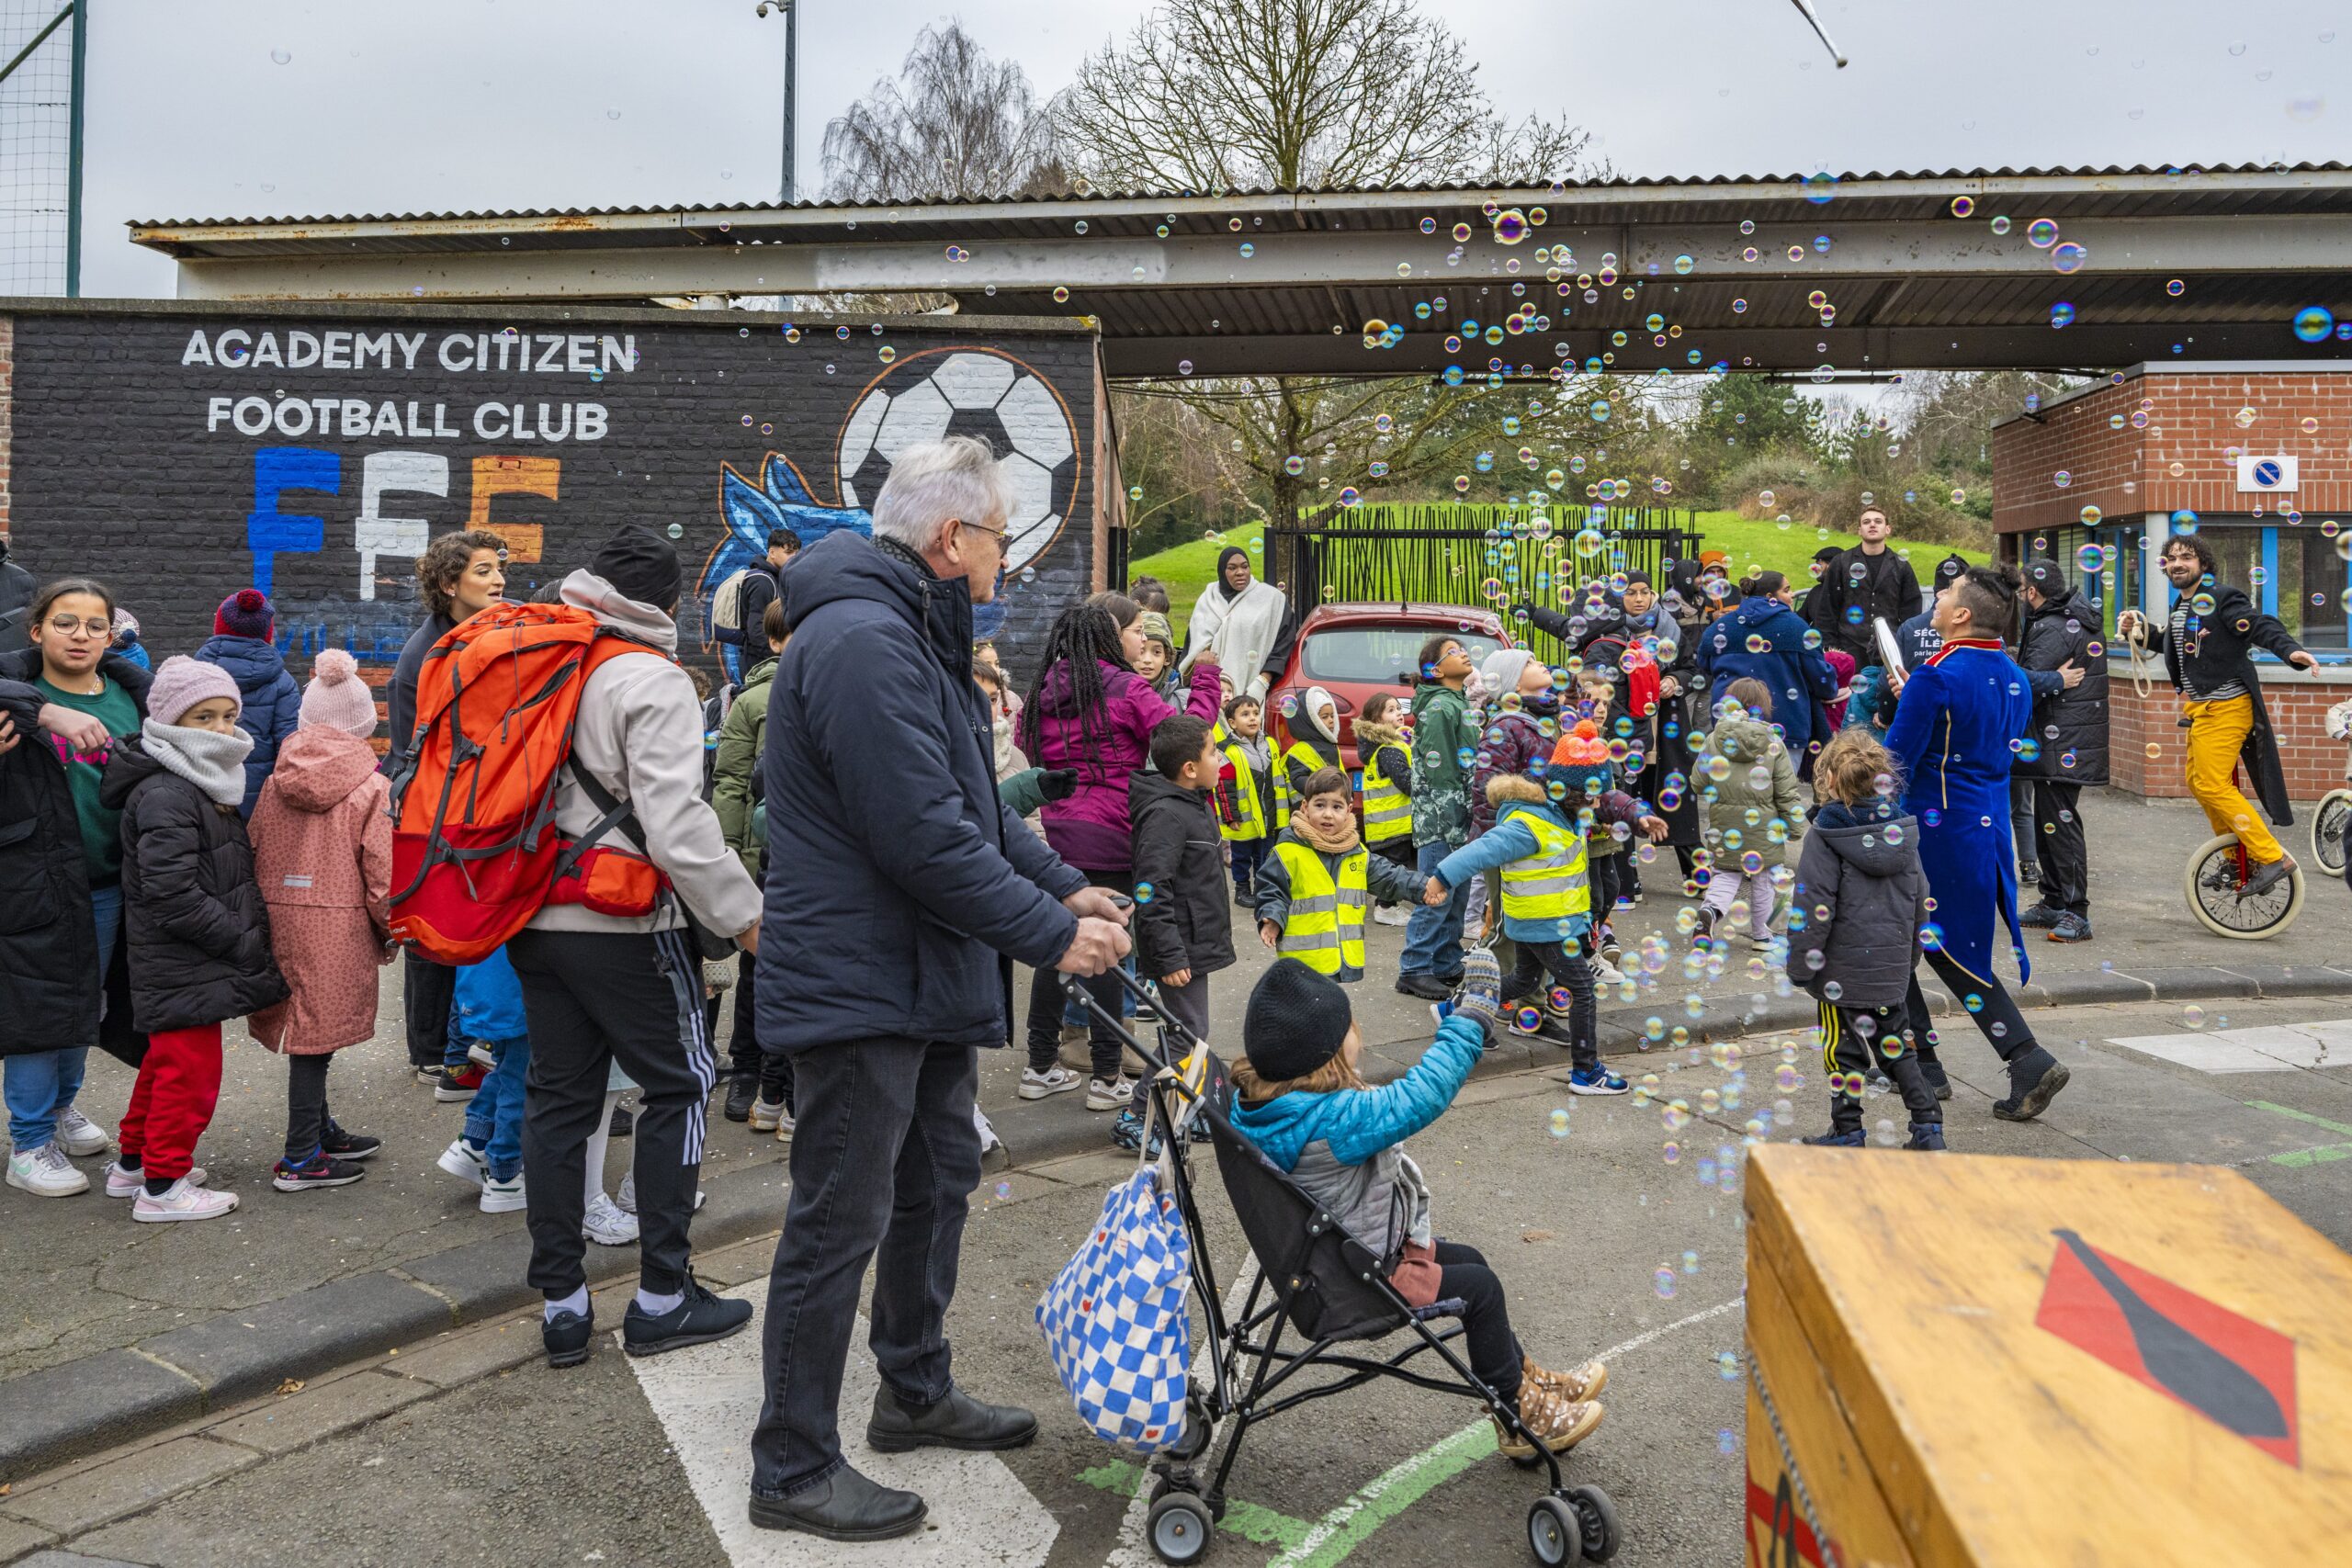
<point>462,1447</point>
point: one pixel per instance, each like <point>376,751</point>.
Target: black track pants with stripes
<point>1853,1038</point>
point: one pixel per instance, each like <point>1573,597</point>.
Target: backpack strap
<point>616,813</point>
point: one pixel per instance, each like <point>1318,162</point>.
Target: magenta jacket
<point>1091,830</point>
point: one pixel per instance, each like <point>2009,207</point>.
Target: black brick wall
<point>111,469</point>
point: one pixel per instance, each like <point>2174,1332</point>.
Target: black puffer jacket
<point>196,928</point>
<point>2069,729</point>
<point>1861,896</point>
<point>1185,922</point>
<point>17,590</point>
<point>48,944</point>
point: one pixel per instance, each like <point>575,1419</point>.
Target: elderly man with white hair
<point>901,892</point>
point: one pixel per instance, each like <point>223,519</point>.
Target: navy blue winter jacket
<point>273,702</point>
<point>1798,677</point>
<point>899,888</point>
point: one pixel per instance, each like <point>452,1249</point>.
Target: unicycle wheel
<point>2216,873</point>
<point>2329,825</point>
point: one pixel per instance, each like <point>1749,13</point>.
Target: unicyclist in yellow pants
<point>2216,732</point>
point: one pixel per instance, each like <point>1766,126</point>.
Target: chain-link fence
<point>36,144</point>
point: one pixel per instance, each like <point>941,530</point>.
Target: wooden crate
<point>1962,1359</point>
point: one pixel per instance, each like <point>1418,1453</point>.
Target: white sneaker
<point>502,1197</point>
<point>121,1183</point>
<point>181,1202</point>
<point>764,1114</point>
<point>1111,1094</point>
<point>627,1197</point>
<point>1055,1080</point>
<point>80,1134</point>
<point>980,1124</point>
<point>1606,972</point>
<point>1396,915</point>
<point>464,1162</point>
<point>482,1055</point>
<point>784,1126</point>
<point>45,1172</point>
<point>607,1224</point>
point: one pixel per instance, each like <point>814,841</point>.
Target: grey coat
<point>1861,896</point>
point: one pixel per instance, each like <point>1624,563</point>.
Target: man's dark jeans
<point>884,1158</point>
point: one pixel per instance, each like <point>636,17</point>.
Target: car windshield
<point>1378,654</point>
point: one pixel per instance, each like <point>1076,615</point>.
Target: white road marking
<point>1131,1550</point>
<point>2267,1049</point>
<point>708,1399</point>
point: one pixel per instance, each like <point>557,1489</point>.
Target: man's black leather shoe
<point>845,1505</point>
<point>959,1421</point>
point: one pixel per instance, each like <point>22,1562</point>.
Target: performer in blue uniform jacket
<point>1955,724</point>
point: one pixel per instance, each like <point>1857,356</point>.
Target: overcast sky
<point>201,108</point>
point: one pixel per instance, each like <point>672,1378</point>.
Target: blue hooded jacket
<point>899,887</point>
<point>273,702</point>
<point>1800,678</point>
<point>490,1001</point>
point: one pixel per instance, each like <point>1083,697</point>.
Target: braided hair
<point>1083,638</point>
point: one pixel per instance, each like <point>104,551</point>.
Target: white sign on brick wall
<point>2262,474</point>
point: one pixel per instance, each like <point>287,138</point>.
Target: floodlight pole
<point>73,155</point>
<point>791,81</point>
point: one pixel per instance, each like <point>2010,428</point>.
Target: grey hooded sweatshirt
<point>1861,896</point>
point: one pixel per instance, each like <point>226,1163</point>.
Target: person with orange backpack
<point>552,802</point>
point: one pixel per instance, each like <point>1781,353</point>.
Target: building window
<point>2295,572</point>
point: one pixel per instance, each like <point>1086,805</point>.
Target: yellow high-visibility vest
<point>1388,810</point>
<point>1549,886</point>
<point>1246,804</point>
<point>1325,927</point>
<point>1306,757</point>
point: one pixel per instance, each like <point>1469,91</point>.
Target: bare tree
<point>955,125</point>
<point>1214,95</point>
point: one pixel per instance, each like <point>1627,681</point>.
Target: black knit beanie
<point>642,564</point>
<point>1297,1021</point>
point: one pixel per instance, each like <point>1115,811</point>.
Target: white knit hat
<point>336,696</point>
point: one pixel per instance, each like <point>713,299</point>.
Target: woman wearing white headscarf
<point>1245,627</point>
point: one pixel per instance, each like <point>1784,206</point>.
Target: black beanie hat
<point>642,564</point>
<point>1948,570</point>
<point>1297,1021</point>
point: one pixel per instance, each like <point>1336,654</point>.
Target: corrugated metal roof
<point>1317,198</point>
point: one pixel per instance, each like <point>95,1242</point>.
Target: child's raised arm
<point>1364,1121</point>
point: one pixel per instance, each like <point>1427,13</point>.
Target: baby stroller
<point>1318,1281</point>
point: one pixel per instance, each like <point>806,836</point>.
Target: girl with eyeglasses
<point>69,696</point>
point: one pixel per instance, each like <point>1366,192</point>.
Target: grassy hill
<point>1753,544</point>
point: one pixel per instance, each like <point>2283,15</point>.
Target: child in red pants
<point>196,930</point>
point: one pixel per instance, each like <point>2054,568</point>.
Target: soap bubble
<point>1144,891</point>
<point>1664,1282</point>
<point>1560,1123</point>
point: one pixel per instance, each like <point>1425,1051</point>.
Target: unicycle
<point>2329,823</point>
<point>2217,873</point>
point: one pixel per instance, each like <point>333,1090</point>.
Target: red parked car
<point>1354,650</point>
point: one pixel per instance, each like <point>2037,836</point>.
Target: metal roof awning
<point>1703,272</point>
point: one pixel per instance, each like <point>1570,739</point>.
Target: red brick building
<point>2257,457</point>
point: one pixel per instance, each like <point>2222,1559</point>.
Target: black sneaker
<point>622,1123</point>
<point>1853,1140</point>
<point>566,1335</point>
<point>342,1143</point>
<point>2030,875</point>
<point>1926,1135</point>
<point>1933,1070</point>
<point>1244,899</point>
<point>741,1089</point>
<point>2266,877</point>
<point>699,1319</point>
<point>2071,926</point>
<point>1424,985</point>
<point>2040,917</point>
<point>319,1170</point>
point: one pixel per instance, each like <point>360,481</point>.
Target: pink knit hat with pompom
<point>337,697</point>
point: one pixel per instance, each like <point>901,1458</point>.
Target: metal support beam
<point>74,154</point>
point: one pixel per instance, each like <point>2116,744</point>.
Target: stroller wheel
<point>1597,1519</point>
<point>1552,1533</point>
<point>1198,1429</point>
<point>1179,1527</point>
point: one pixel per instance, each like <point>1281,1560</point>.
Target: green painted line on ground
<point>1345,1528</point>
<point>2320,1155</point>
<point>2300,1116</point>
<point>1249,1520</point>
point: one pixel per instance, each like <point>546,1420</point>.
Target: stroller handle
<point>1075,989</point>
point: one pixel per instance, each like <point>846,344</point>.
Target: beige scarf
<point>1338,843</point>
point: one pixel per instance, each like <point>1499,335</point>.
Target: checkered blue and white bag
<point>1115,1320</point>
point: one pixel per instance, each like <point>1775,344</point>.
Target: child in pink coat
<point>322,852</point>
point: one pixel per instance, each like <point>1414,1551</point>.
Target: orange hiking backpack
<point>475,851</point>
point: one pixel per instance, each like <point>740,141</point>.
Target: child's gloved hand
<point>1057,784</point>
<point>1481,995</point>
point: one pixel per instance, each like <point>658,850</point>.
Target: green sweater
<point>1442,733</point>
<point>101,826</point>
<point>735,773</point>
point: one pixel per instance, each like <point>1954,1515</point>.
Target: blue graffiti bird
<point>783,500</point>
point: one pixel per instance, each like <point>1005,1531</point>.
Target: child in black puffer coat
<point>196,933</point>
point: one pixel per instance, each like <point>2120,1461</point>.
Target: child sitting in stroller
<point>1302,1102</point>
